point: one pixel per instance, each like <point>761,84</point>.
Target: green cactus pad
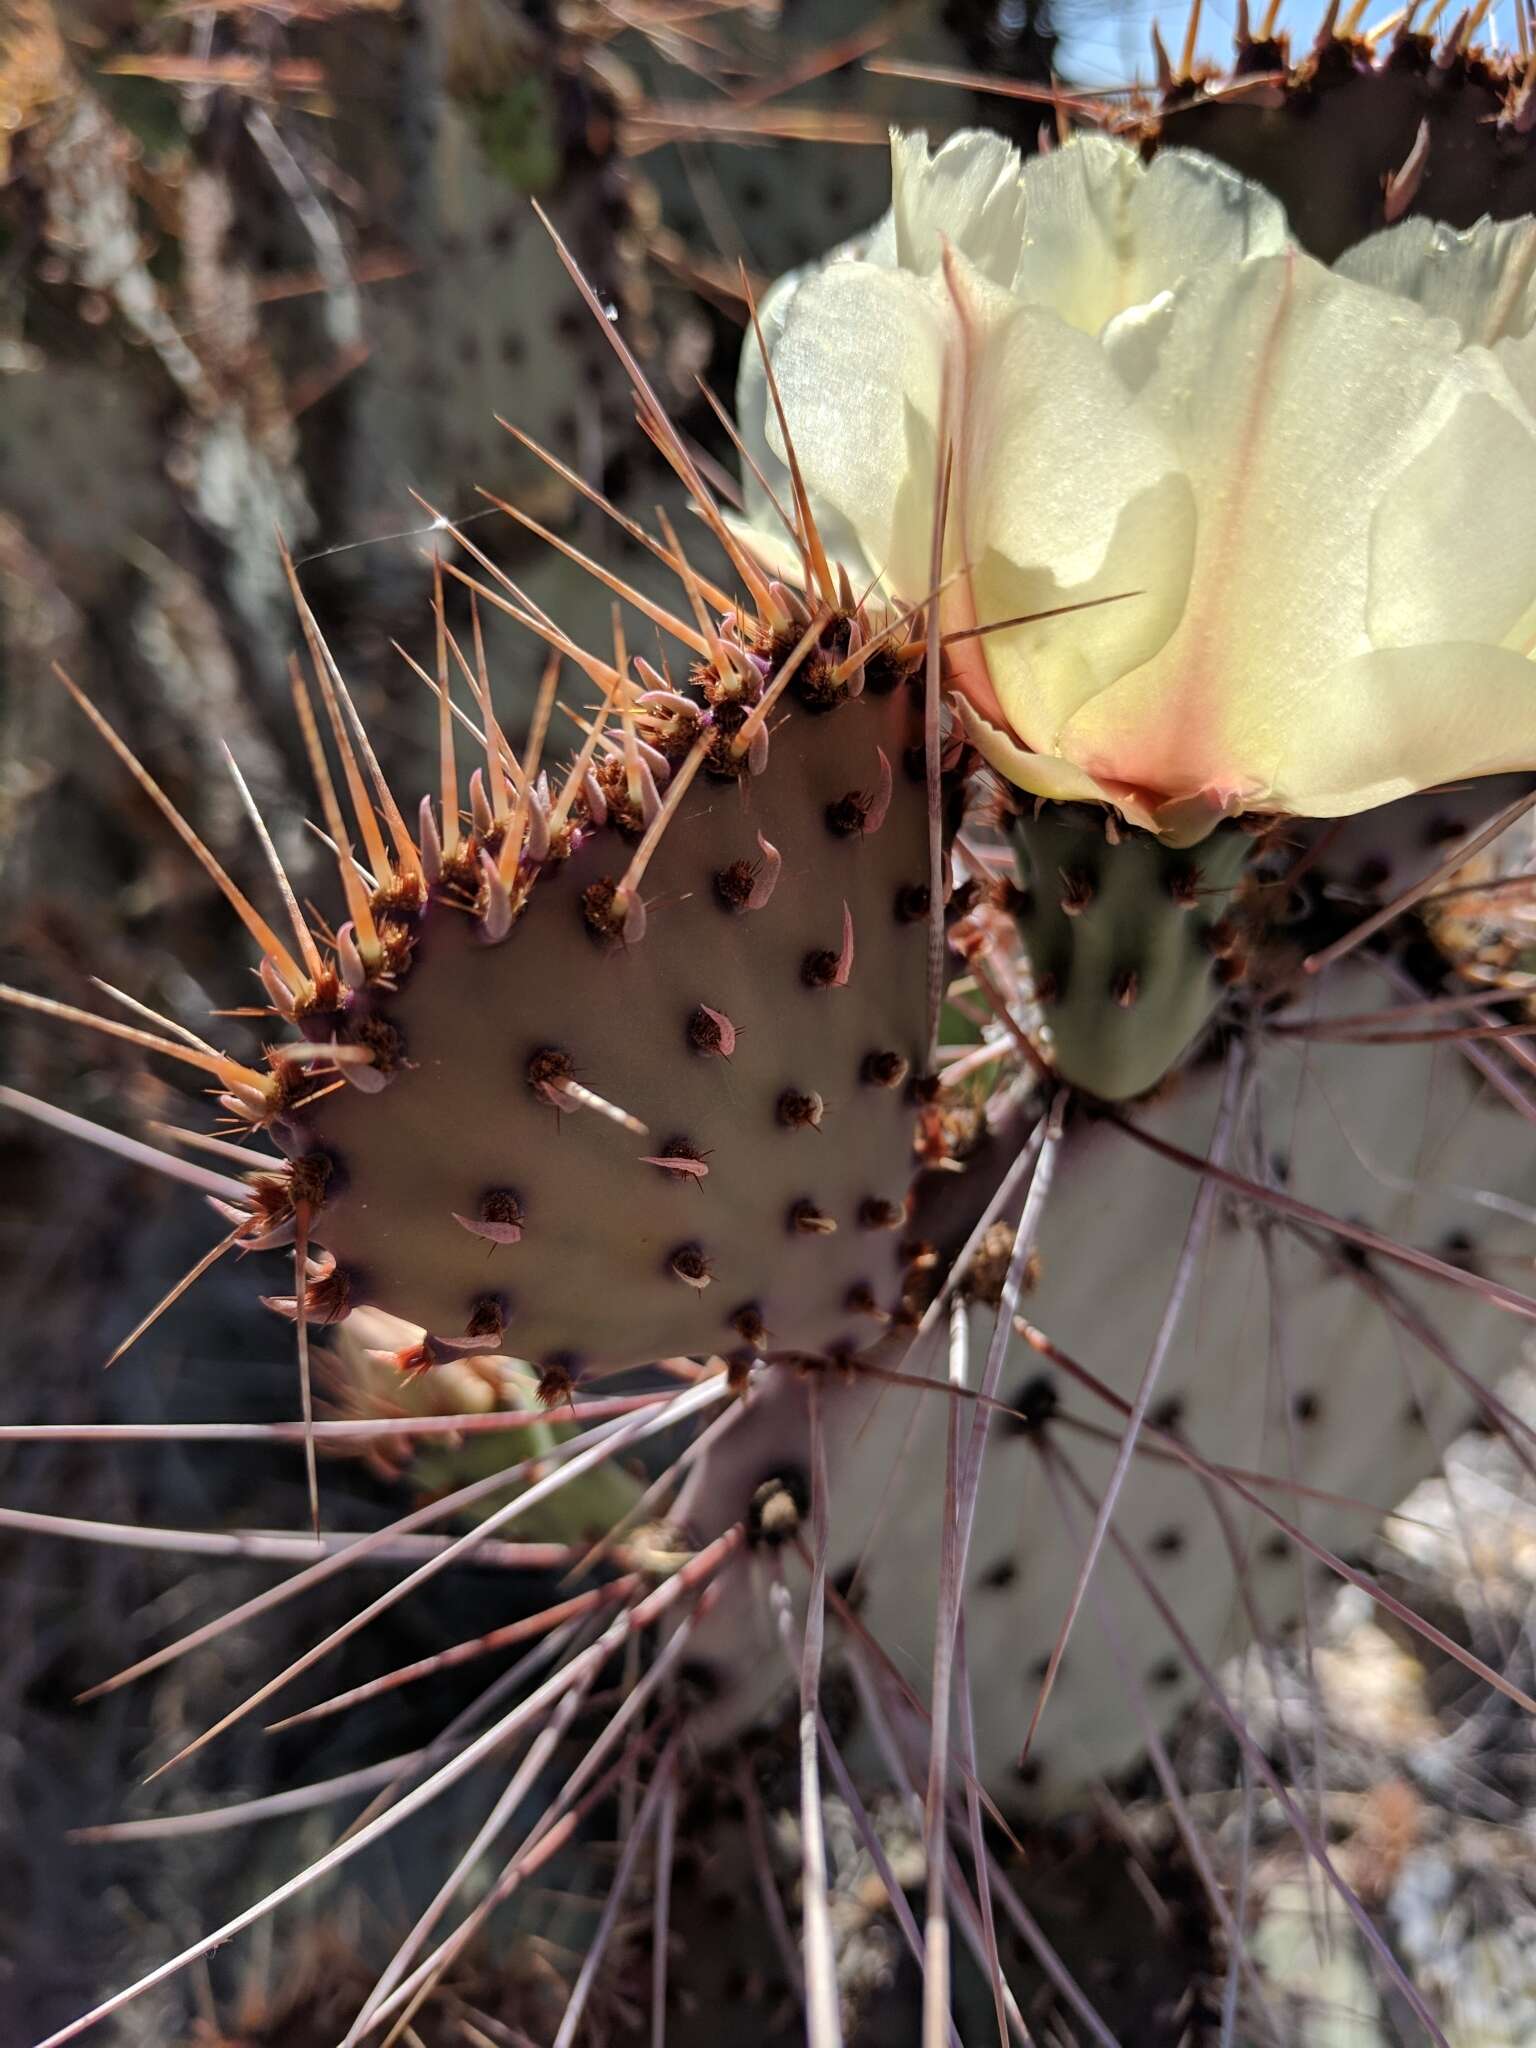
<point>1125,940</point>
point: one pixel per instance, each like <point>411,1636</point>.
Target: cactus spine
<point>635,1062</point>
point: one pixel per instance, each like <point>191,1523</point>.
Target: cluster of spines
<point>778,653</point>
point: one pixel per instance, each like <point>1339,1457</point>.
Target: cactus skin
<point>1382,852</point>
<point>1125,941</point>
<point>1339,143</point>
<point>634,1020</point>
<point>1307,1378</point>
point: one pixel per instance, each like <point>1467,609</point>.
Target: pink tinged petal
<point>1295,398</point>
<point>1047,775</point>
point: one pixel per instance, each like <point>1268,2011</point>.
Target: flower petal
<point>1403,719</point>
<point>967,195</point>
<point>754,405</point>
<point>1482,277</point>
<point>1105,231</point>
<point>860,368</point>
<point>1296,400</point>
<point>1453,540</point>
<point>1068,494</point>
<point>1041,774</point>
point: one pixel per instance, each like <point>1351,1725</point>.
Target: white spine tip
<point>430,844</point>
<point>348,959</point>
<point>496,913</point>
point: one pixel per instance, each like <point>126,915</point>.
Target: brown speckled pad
<point>593,1278</point>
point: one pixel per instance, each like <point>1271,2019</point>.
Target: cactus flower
<point>1308,494</point>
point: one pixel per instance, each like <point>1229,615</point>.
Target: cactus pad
<point>1127,941</point>
<point>1284,1363</point>
<point>760,1030</point>
<point>1350,140</point>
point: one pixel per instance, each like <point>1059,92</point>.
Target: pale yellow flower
<point>1319,484</point>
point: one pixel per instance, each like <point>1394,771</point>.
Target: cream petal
<point>754,412</point>
<point>1294,398</point>
<point>772,549</point>
<point>1044,775</point>
<point>1105,231</point>
<point>1403,719</point>
<point>967,195</point>
<point>1516,357</point>
<point>1453,540</point>
<point>860,368</point>
<point>1482,277</point>
<point>753,403</point>
<point>1067,495</point>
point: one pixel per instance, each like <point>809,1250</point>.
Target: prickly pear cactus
<point>703,1096</point>
<point>1398,124</point>
<point>961,933</point>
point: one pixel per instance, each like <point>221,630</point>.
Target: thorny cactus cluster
<point>675,1077</point>
<point>862,994</point>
